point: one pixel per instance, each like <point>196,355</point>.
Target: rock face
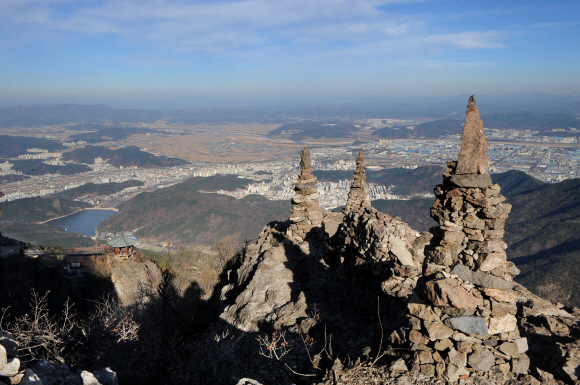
<point>358,195</point>
<point>306,214</point>
<point>473,154</point>
<point>467,279</point>
<point>131,277</point>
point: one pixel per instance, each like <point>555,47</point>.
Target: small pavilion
<point>123,245</point>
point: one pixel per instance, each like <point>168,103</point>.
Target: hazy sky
<point>149,51</point>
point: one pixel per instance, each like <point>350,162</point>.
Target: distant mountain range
<point>544,123</point>
<point>183,215</point>
<point>376,107</point>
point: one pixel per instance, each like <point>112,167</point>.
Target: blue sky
<point>192,53</point>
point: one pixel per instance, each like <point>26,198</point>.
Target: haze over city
<point>178,54</point>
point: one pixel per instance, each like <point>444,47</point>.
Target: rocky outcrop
<point>466,318</point>
<point>43,372</point>
<point>134,280</point>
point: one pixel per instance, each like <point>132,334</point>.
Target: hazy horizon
<point>174,54</point>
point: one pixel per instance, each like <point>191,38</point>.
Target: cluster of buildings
<point>275,179</point>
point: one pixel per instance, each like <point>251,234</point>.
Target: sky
<point>199,53</point>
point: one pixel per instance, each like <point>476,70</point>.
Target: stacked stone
<point>367,235</point>
<point>358,196</point>
<point>463,315</point>
<point>306,214</point>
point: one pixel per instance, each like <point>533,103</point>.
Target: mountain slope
<point>405,181</point>
<point>183,215</point>
<point>126,157</point>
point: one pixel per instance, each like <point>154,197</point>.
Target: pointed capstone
<point>305,164</point>
<point>358,195</point>
<point>473,154</point>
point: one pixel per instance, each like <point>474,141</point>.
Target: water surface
<point>84,222</point>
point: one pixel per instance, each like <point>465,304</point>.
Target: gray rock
<point>471,180</point>
<point>399,366</point>
<point>521,365</point>
<point>481,279</point>
<point>468,324</point>
<point>30,378</point>
<point>481,360</point>
<point>106,377</point>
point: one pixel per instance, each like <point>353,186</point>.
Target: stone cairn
<point>358,196</point>
<point>462,317</point>
<point>306,215</point>
<point>367,235</point>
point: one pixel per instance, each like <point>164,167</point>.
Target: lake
<point>84,222</point>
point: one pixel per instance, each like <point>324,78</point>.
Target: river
<point>83,222</point>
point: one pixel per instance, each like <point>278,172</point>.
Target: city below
<point>546,158</point>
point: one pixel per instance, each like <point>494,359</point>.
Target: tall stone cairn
<point>358,196</point>
<point>306,214</point>
<point>462,316</point>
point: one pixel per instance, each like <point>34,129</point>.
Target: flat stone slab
<point>481,279</point>
<point>468,324</point>
<point>471,180</point>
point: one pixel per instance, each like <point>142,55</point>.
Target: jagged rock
<point>89,379</point>
<point>481,360</point>
<point>10,368</point>
<point>268,294</point>
<point>473,154</point>
<point>131,277</point>
<point>468,324</point>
